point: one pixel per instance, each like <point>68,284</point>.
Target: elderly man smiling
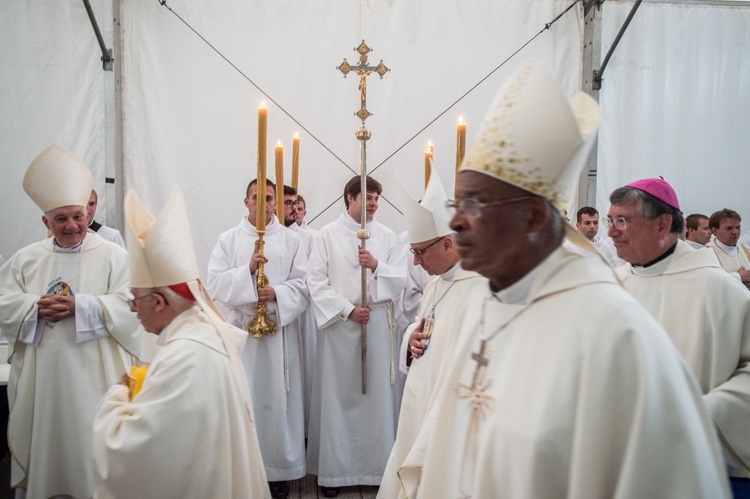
<point>63,308</point>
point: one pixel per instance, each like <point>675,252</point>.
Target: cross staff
<point>363,135</point>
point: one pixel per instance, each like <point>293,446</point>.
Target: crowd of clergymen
<point>507,355</point>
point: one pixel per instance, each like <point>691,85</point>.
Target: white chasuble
<point>273,363</point>
<point>707,314</point>
<point>576,392</point>
<point>351,434</point>
<point>731,258</point>
<point>442,296</point>
<point>57,379</point>
<point>189,433</point>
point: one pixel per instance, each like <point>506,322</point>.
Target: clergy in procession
<point>426,343</point>
<point>64,311</point>
<point>301,213</point>
<point>307,327</point>
<point>705,311</point>
<point>587,223</point>
<point>407,303</point>
<point>351,432</point>
<point>734,257</point>
<point>273,362</point>
<point>107,233</point>
<point>697,233</point>
<point>187,429</point>
<point>547,395</point>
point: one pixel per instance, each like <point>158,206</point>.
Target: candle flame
<point>296,135</point>
<point>461,120</point>
<point>279,144</point>
<point>262,105</point>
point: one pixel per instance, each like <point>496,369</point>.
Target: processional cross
<point>363,134</point>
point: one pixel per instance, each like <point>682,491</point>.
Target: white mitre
<point>533,137</point>
<point>58,178</point>
<point>160,249</point>
<point>429,218</point>
<point>536,139</point>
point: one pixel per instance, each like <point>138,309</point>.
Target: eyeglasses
<point>133,302</point>
<point>470,207</point>
<point>419,252</point>
<point>618,223</point>
<point>289,202</point>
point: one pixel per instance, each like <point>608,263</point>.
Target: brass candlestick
<point>261,325</point>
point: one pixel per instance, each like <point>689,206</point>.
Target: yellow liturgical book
<point>135,379</point>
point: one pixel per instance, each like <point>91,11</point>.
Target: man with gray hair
<point>704,311</point>
<point>63,309</point>
<point>194,395</point>
<point>426,342</point>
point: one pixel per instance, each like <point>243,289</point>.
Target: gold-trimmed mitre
<point>160,249</point>
<point>58,178</point>
<point>533,137</point>
<point>429,218</point>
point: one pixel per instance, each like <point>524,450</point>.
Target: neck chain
<point>429,319</point>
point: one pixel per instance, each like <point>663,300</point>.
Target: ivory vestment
<point>273,363</point>
<point>189,433</point>
<point>707,314</point>
<point>572,400</point>
<point>54,386</point>
<point>445,294</point>
<point>731,258</point>
<point>351,434</point>
<point>307,327</point>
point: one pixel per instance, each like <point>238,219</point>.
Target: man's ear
<point>537,213</point>
<point>664,222</point>
<point>45,221</point>
<point>161,302</point>
<point>714,230</point>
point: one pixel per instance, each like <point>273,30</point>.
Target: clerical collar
<point>518,293</point>
<point>450,274</point>
<point>95,226</point>
<point>663,256</point>
<point>657,267</point>
<point>74,249</point>
<point>729,250</point>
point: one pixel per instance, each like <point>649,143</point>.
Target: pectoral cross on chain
<point>479,404</point>
<point>363,70</point>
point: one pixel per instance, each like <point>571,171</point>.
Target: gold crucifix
<point>363,70</point>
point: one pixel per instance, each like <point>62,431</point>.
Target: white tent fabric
<point>52,92</point>
<point>674,99</point>
<point>190,118</point>
<point>676,103</point>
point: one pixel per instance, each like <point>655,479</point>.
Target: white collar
<point>730,250</point>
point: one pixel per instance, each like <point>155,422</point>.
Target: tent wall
<point>53,91</point>
<point>190,118</point>
<point>674,98</point>
<point>675,103</point>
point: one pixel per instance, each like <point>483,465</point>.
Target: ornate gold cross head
<point>363,70</point>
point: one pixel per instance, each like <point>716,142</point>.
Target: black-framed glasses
<point>133,302</point>
<point>419,252</point>
<point>289,202</point>
<point>619,223</point>
<point>471,207</point>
